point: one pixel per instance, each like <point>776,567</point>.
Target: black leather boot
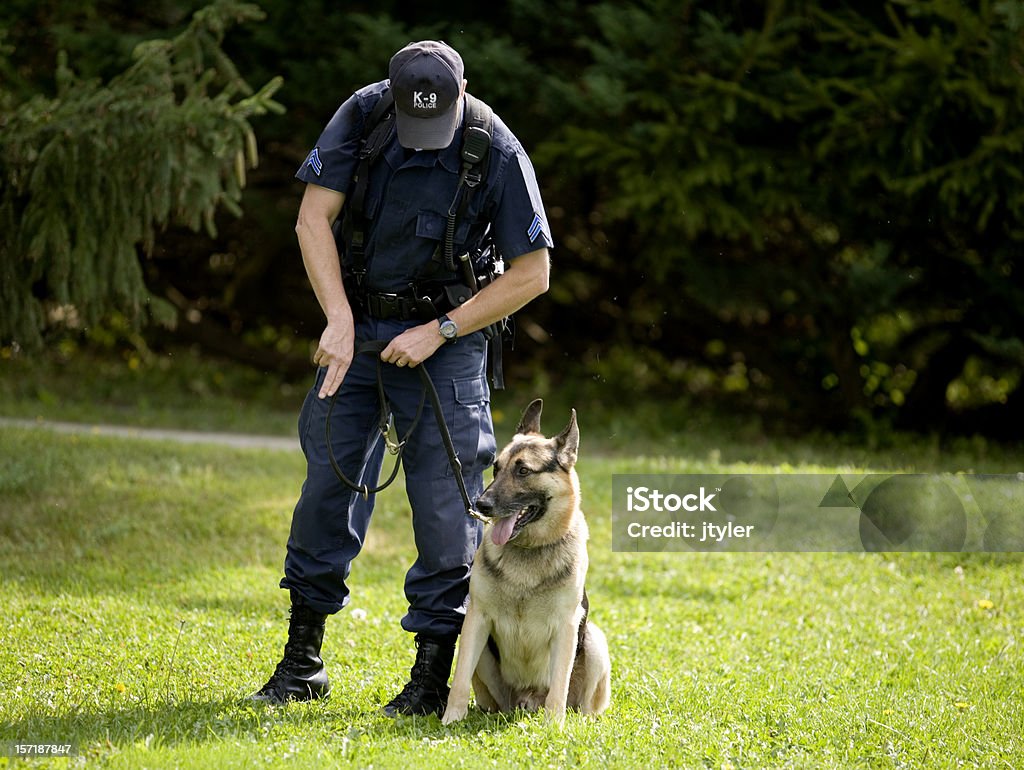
<point>301,674</point>
<point>427,690</point>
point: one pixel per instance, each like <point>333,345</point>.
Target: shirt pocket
<point>432,225</point>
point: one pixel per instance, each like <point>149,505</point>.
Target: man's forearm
<point>320,207</point>
<point>526,278</point>
<point>320,257</point>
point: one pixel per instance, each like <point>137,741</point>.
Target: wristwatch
<point>448,328</point>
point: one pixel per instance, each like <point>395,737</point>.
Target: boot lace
<point>293,657</point>
<point>420,689</point>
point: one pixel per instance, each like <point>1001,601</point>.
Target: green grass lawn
<point>139,585</point>
<point>141,607</point>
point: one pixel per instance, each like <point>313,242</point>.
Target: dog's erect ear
<point>568,443</point>
<point>530,421</point>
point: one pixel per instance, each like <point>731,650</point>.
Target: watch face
<point>449,329</point>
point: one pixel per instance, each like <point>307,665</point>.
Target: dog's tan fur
<point>526,593</point>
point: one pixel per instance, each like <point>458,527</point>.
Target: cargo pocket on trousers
<point>306,413</point>
<point>473,431</point>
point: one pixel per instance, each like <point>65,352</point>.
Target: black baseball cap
<point>426,79</point>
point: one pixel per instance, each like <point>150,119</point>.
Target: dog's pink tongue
<point>501,530</point>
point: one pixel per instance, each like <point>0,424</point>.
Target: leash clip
<point>477,515</point>
<point>390,434</point>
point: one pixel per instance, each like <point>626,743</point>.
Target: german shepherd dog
<point>526,641</point>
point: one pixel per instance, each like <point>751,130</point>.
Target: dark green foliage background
<point>810,210</point>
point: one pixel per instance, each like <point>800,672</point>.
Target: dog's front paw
<point>555,715</point>
<point>454,713</point>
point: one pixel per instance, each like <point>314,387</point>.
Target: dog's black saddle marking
<point>581,633</point>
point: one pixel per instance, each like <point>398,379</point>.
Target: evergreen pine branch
<point>98,172</point>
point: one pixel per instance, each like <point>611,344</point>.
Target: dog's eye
<point>522,470</point>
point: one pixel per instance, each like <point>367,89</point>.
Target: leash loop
<point>390,433</point>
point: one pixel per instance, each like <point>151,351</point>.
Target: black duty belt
<point>402,307</point>
<point>386,307</point>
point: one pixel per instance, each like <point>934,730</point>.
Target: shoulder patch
<point>535,228</point>
<point>314,162</point>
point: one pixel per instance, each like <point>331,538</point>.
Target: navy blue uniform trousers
<point>330,521</point>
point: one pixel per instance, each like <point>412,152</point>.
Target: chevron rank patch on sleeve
<point>535,228</point>
<point>314,162</point>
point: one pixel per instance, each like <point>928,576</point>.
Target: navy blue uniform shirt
<point>409,194</point>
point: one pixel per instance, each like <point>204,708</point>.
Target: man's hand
<point>337,346</point>
<point>413,346</point>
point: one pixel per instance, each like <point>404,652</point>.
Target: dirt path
<point>242,440</point>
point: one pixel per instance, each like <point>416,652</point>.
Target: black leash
<point>389,432</point>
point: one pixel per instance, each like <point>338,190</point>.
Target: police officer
<point>405,205</point>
